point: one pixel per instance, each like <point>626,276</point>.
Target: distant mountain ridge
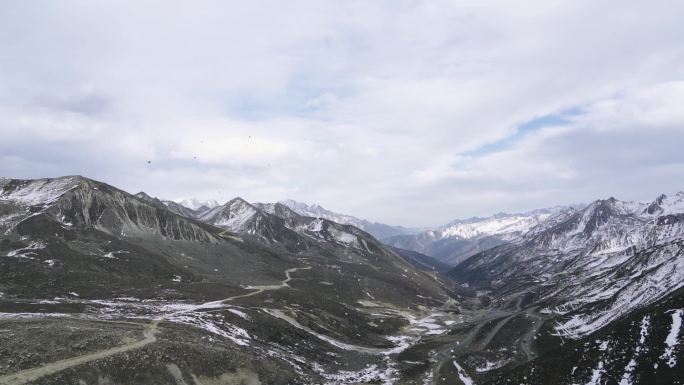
<point>195,204</point>
<point>378,230</point>
<point>462,238</point>
<point>279,223</point>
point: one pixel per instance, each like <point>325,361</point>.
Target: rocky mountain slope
<point>591,277</point>
<point>612,257</point>
<point>126,291</point>
<point>276,222</point>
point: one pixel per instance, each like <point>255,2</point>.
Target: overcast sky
<point>405,112</point>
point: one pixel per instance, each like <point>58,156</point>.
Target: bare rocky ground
<point>246,338</point>
<point>274,334</point>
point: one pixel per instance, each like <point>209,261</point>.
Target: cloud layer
<point>407,112</point>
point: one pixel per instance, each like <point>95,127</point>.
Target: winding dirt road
<point>263,288</point>
<point>33,374</point>
<point>28,375</point>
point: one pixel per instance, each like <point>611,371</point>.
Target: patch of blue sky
<point>558,119</point>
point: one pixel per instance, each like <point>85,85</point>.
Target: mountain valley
<point>99,286</point>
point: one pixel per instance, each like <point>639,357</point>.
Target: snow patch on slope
<point>344,237</point>
<point>664,274</point>
<point>632,364</point>
<point>596,374</point>
<point>38,191</point>
<point>673,339</point>
<point>27,251</point>
<point>463,375</point>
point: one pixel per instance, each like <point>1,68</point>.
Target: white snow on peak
<point>233,216</point>
<point>666,205</point>
<point>316,211</point>
<point>37,191</point>
<point>194,204</point>
<point>376,229</point>
<point>508,226</point>
<point>497,225</point>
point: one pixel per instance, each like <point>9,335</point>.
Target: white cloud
<point>386,111</point>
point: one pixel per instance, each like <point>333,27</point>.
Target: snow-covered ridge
<point>378,230</point>
<point>77,202</point>
<point>195,204</point>
<point>500,224</point>
<point>37,191</point>
<point>666,205</point>
<point>611,226</point>
<point>274,221</point>
<point>233,216</point>
<point>598,263</point>
<point>316,211</point>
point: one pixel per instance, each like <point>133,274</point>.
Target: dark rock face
<point>104,207</point>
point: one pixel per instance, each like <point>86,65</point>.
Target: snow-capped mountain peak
<point>378,230</point>
<point>664,205</point>
<point>462,238</point>
<point>233,215</point>
<point>499,224</point>
<point>316,211</point>
<point>598,263</point>
<point>195,204</point>
<point>502,224</point>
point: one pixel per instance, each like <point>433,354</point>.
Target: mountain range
<point>462,238</point>
<point>262,294</point>
<point>378,230</point>
<point>99,286</point>
<point>610,268</point>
